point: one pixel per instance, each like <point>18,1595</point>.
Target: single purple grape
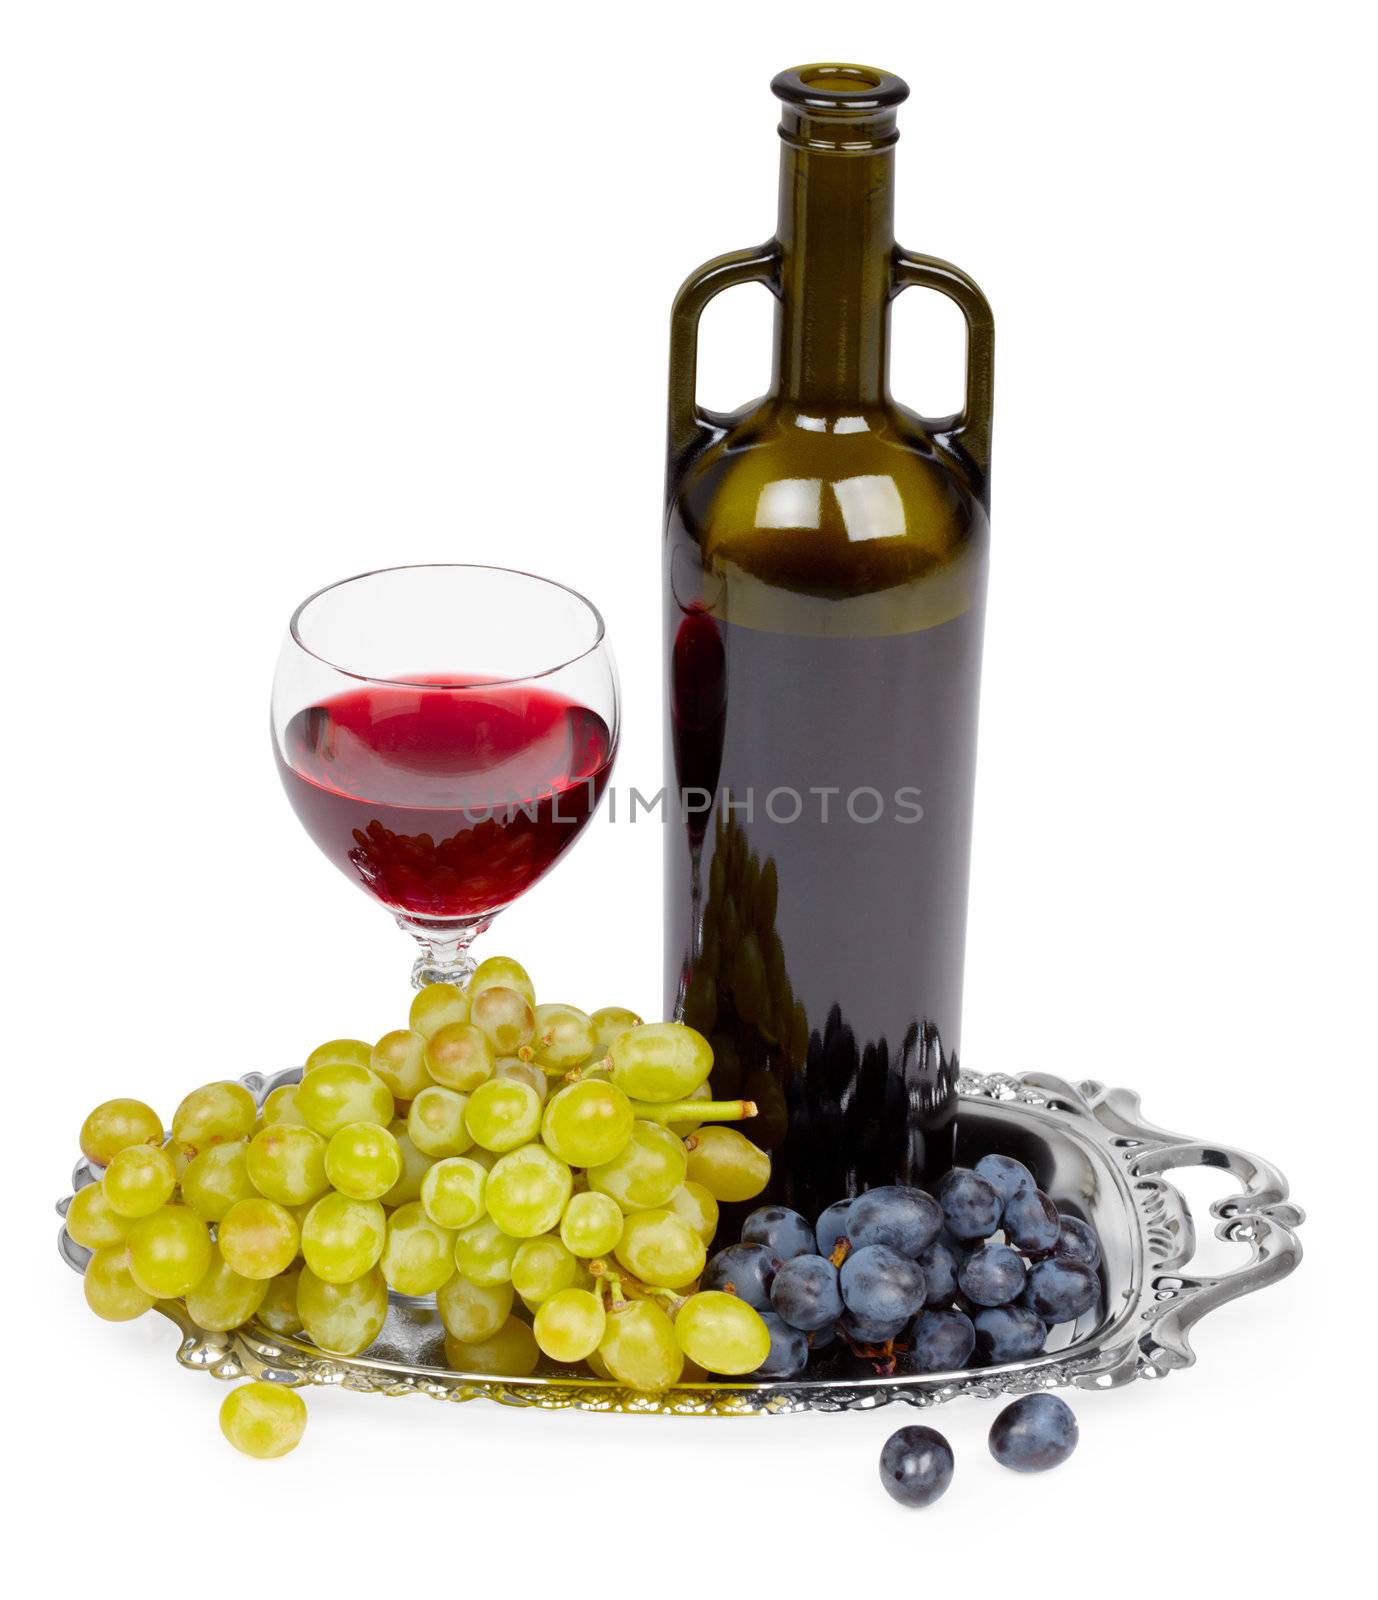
<point>1077,1241</point>
<point>916,1466</point>
<point>1036,1432</point>
<point>971,1207</point>
<point>805,1292</point>
<point>943,1340</point>
<point>789,1349</point>
<point>1005,1175</point>
<point>880,1285</point>
<point>1007,1333</point>
<point>746,1270</point>
<point>1059,1291</point>
<point>992,1275</point>
<point>1030,1221</point>
<point>939,1274</point>
<point>906,1219</point>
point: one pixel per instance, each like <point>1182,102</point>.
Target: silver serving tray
<point>1089,1148</point>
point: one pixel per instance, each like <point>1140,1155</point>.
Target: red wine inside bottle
<point>826,556</point>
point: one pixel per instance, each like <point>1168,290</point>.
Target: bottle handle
<point>688,422</point>
<point>972,425</point>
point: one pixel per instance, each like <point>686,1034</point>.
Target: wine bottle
<point>825,574</point>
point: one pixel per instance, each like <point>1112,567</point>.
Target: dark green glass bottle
<point>825,571</point>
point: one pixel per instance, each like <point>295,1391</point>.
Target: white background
<point>293,290</point>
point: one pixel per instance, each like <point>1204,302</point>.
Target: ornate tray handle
<point>1261,1215</point>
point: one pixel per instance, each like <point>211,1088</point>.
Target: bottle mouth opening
<point>839,88</point>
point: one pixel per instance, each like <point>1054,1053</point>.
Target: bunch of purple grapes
<point>976,1274</point>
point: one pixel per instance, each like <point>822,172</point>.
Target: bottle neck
<point>837,235</point>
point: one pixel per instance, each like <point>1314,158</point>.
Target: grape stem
<point>695,1110</point>
<point>656,1291</point>
<point>625,1288</point>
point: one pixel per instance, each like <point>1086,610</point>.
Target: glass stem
<point>444,945</point>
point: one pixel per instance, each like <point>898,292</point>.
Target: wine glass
<point>444,734</point>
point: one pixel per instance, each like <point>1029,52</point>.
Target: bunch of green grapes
<point>551,1177</point>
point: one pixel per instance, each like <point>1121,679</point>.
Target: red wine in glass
<point>445,798</point>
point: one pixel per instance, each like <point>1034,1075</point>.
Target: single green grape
<point>592,1224</point>
<point>483,1253</point>
<point>338,1093</point>
<point>116,1124</point>
<point>512,1352</point>
<point>506,1017</point>
<point>565,1038</point>
<point>660,1061</point>
<point>224,1298</point>
<point>460,1056</point>
<point>264,1420</point>
<point>570,1325</point>
<point>363,1161</point>
<point>727,1164</point>
<point>437,1006</point>
<point>342,1238</point>
<point>216,1113</point>
<point>139,1179</point>
<point>109,1286</point>
<point>217,1179</point>
<point>436,1122</point>
<point>342,1318</point>
<point>287,1164</point>
<point>611,1022</point>
<point>693,1204</point>
<point>93,1222</point>
<point>501,972</point>
<point>647,1172</point>
<point>541,1268</point>
<point>278,1312</point>
<point>415,1166</point>
<point>399,1059</point>
<point>503,1114</point>
<point>639,1347</point>
<point>722,1333</point>
<point>169,1252</point>
<point>588,1123</point>
<point>487,1159</point>
<point>472,1312</point>
<point>258,1238</point>
<point>452,1192</point>
<point>418,1256</point>
<point>527,1191</point>
<point>281,1106</point>
<point>338,1052</point>
<point>523,1072</point>
<point>660,1249</point>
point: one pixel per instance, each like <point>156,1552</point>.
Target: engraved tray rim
<point>1146,1336</point>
